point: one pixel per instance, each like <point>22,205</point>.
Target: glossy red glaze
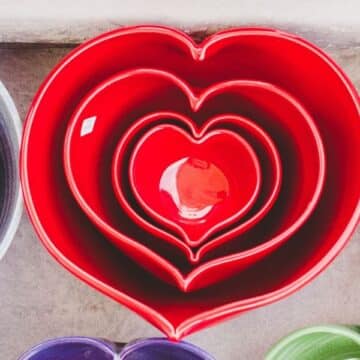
<point>282,116</point>
<point>196,184</point>
<point>263,55</point>
<point>259,140</point>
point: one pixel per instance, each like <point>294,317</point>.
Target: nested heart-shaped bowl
<point>250,53</point>
<point>10,194</point>
<point>195,184</point>
<point>262,144</point>
<point>86,348</point>
<point>89,152</point>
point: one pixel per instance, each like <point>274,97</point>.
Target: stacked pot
<point>192,182</point>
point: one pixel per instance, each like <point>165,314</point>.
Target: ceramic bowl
<point>89,152</point>
<point>10,194</point>
<point>85,348</point>
<point>163,349</point>
<point>319,342</point>
<point>262,144</point>
<point>262,55</point>
<point>192,183</point>
<point>74,347</point>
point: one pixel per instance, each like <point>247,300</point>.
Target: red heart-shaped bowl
<point>261,142</point>
<point>263,55</point>
<point>195,184</point>
<point>285,120</point>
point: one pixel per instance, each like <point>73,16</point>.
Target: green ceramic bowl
<point>332,342</point>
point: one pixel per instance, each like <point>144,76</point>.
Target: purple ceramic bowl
<point>84,348</point>
<point>71,348</point>
<point>162,349</point>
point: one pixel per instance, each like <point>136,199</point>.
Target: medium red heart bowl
<point>278,112</point>
<point>264,55</point>
<point>262,144</point>
<point>195,184</point>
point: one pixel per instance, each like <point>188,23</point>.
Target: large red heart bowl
<point>257,54</point>
<point>87,156</point>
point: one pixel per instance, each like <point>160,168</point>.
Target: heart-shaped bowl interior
<point>195,184</point>
<point>10,194</point>
<point>90,152</point>
<point>260,141</point>
<point>263,55</point>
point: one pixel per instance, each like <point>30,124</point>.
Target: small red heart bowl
<point>250,53</point>
<point>89,152</point>
<point>195,184</point>
<point>260,141</point>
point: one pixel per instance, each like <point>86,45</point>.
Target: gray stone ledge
<point>329,23</point>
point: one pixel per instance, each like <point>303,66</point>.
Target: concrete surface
<point>39,299</point>
<point>72,21</point>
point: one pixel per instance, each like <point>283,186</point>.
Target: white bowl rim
<point>12,120</point>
